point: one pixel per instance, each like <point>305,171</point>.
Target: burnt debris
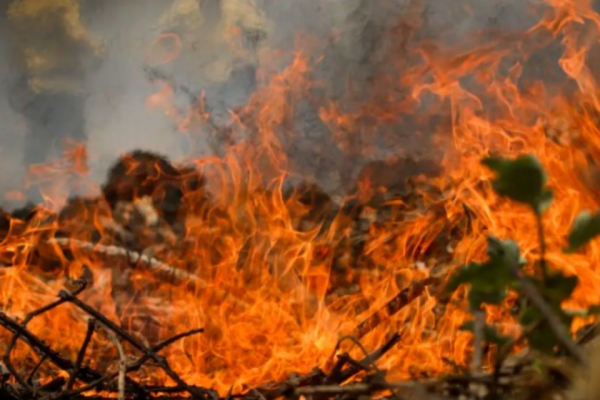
<point>142,174</point>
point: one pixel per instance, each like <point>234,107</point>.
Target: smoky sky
<point>116,115</point>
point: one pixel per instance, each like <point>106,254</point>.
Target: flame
<point>261,271</point>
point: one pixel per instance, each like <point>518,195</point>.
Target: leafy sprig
<point>524,180</point>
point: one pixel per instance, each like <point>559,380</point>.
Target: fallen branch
<point>152,265</point>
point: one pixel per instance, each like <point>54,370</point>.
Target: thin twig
<point>20,331</point>
<point>86,341</point>
<point>590,334</point>
<point>81,287</point>
<point>371,358</point>
<point>23,328</point>
<point>43,349</point>
<point>161,361</point>
<point>122,361</point>
<point>175,338</point>
<point>36,368</point>
<point>13,371</point>
<point>353,340</point>
<point>129,368</point>
<point>334,374</point>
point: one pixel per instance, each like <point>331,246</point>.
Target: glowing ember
<point>268,272</point>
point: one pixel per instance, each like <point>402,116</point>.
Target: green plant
<point>545,324</point>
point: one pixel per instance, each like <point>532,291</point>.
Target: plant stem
<point>556,325</point>
<point>542,240</point>
<point>504,352</point>
<point>478,333</point>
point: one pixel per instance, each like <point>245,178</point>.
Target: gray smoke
<point>119,121</point>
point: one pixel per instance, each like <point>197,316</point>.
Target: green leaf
<point>490,335</point>
<point>557,288</point>
<point>504,253</point>
<point>464,274</point>
<point>522,179</point>
<point>585,227</point>
<point>489,281</point>
<point>477,297</point>
<point>542,338</point>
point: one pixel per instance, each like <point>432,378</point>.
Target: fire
<point>260,275</point>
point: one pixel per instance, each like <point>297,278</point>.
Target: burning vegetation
<point>348,264</point>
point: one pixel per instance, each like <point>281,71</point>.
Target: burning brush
<point>112,242</point>
<point>241,276</point>
<point>134,195</point>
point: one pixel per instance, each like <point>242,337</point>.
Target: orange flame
<point>262,281</point>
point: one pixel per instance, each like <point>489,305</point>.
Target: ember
<point>310,254</point>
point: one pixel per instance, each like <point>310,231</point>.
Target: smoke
<point>12,129</point>
<point>118,119</point>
